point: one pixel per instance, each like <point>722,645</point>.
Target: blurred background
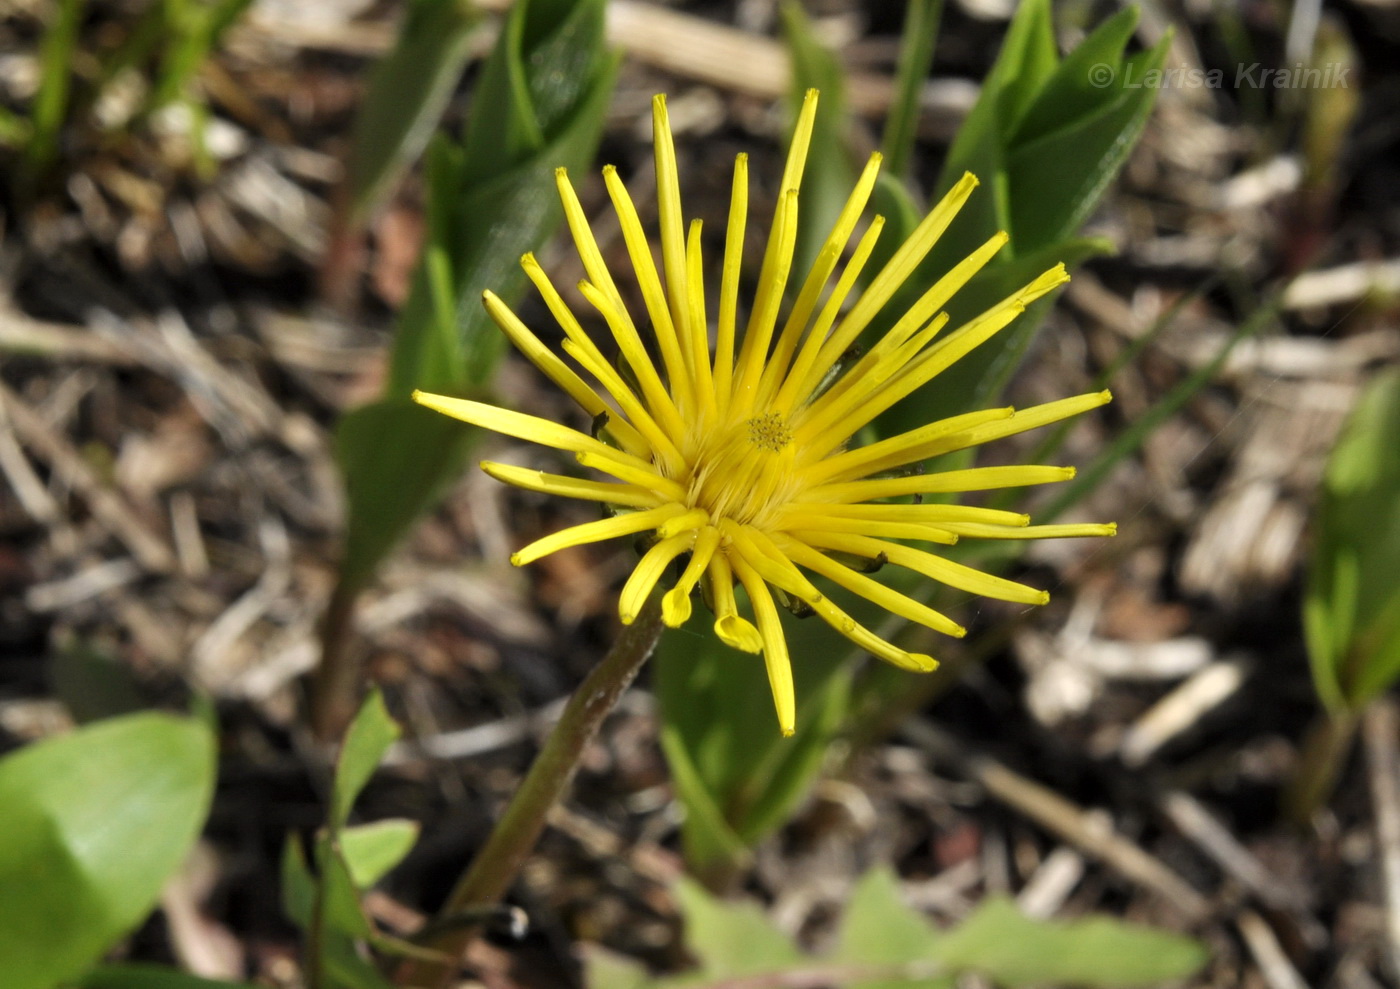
<point>212,220</point>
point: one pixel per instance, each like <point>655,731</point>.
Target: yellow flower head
<point>740,460</point>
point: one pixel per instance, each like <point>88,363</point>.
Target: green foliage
<point>94,824</point>
<point>737,777</point>
<point>348,860</point>
<point>883,944</point>
<point>173,37</point>
<point>1045,138</point>
<point>1351,610</point>
<point>490,199</point>
<point>149,977</point>
<point>916,47</point>
<point>408,90</point>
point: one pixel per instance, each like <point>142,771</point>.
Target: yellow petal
<point>775,651</point>
<point>647,572</point>
<point>629,495</point>
<point>593,532</point>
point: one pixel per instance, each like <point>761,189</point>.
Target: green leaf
<point>917,43</point>
<point>1352,604</point>
<point>737,777</point>
<point>490,201</point>
<point>879,929</point>
<point>371,850</point>
<point>150,977</point>
<point>94,824</point>
<point>731,938</point>
<point>709,841</point>
<point>397,458</point>
<point>603,969</point>
<point>298,885</point>
<point>1014,950</point>
<point>407,93</point>
<point>366,741</point>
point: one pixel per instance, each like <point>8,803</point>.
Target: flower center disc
<point>744,470</point>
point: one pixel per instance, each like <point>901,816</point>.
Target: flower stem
<point>496,864</point>
<point>336,685</point>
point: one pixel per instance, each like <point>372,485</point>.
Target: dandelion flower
<point>734,455</point>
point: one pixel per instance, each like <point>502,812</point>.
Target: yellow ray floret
<point>732,460</point>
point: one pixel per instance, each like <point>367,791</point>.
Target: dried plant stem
<point>496,864</point>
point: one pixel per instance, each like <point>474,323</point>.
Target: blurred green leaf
<point>603,969</point>
<point>733,937</point>
<point>150,977</point>
<point>879,929</point>
<point>1351,609</point>
<point>490,200</point>
<point>1013,950</point>
<point>916,46</point>
<point>94,824</point>
<point>828,176</point>
<point>406,95</point>
<point>51,100</point>
<point>369,737</point>
<point>371,850</point>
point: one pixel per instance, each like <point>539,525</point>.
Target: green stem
<point>496,864</point>
<point>1324,753</point>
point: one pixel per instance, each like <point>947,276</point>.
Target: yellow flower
<point>741,462</point>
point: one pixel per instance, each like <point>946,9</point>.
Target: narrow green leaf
<point>366,741</point>
<point>94,824</point>
<point>708,839</point>
<point>371,850</point>
<point>1352,604</point>
<point>51,101</point>
<point>150,977</point>
<point>916,47</point>
<point>407,93</point>
<point>1013,950</point>
<point>298,885</point>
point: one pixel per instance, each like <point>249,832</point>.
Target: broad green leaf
<point>731,937</point>
<point>150,977</point>
<point>828,177</point>
<point>879,929</point>
<point>407,93</point>
<point>1014,950</point>
<point>1352,605</point>
<point>366,741</point>
<point>371,850</point>
<point>94,824</point>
